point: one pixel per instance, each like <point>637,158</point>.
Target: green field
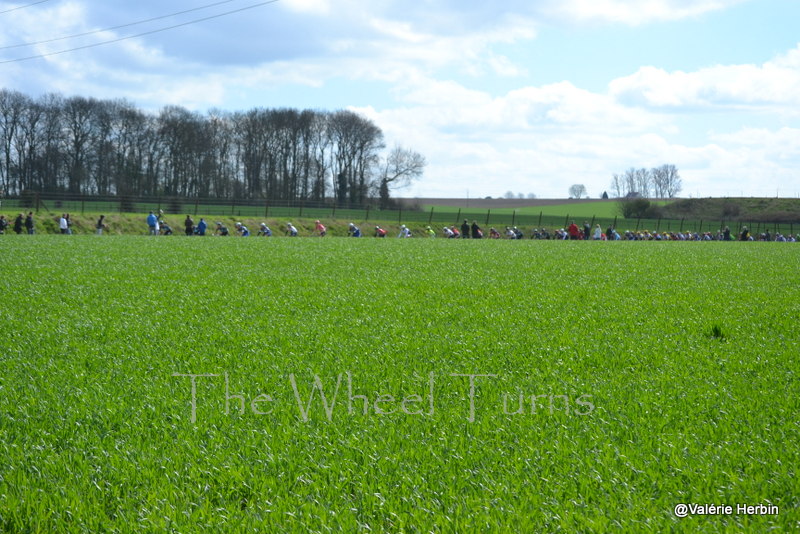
<point>650,374</point>
<point>602,210</point>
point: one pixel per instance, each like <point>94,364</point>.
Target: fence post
<point>658,225</point>
<point>430,217</point>
<point>540,219</point>
<point>366,216</point>
<point>458,217</point>
<point>681,229</point>
<point>637,223</point>
<point>592,225</point>
<point>615,221</point>
<point>513,217</point>
<point>399,215</point>
<point>700,230</point>
<point>566,221</point>
<point>333,213</point>
<point>488,213</point>
<point>83,205</point>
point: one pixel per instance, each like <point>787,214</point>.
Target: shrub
<point>634,208</point>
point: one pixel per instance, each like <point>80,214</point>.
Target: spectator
<point>726,234</point>
<point>152,223</point>
<point>745,235</point>
<point>3,224</point>
<point>201,227</point>
<point>188,226</point>
<point>69,224</point>
<point>598,233</point>
<point>465,229</point>
<point>573,231</point>
<point>587,229</point>
<point>63,226</point>
<point>477,233</point>
<point>18,223</point>
<point>29,225</point>
<point>100,225</point>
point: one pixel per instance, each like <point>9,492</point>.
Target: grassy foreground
<point>650,375</point>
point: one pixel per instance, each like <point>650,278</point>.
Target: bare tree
<point>12,110</point>
<point>658,182</point>
<point>400,168</point>
<point>672,180</point>
<point>657,178</point>
<point>618,188</point>
<point>577,191</point>
<point>644,182</point>
<point>630,181</point>
<point>356,142</point>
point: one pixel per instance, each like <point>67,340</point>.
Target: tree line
<point>658,182</point>
<point>87,146</point>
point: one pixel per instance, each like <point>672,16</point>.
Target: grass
<point>579,210</point>
<point>96,432</point>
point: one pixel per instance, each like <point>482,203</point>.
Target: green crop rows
<point>628,378</point>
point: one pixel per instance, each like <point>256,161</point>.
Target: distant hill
<point>494,203</point>
<point>786,210</point>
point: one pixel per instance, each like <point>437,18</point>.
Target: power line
<point>23,7</point>
<point>39,56</point>
<point>115,27</point>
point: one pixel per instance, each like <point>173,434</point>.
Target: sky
<point>524,96</point>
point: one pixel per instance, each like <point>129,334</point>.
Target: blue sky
<point>528,96</point>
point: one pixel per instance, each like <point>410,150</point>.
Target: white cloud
<point>775,84</point>
<point>633,12</point>
<point>534,139</point>
<point>313,7</point>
